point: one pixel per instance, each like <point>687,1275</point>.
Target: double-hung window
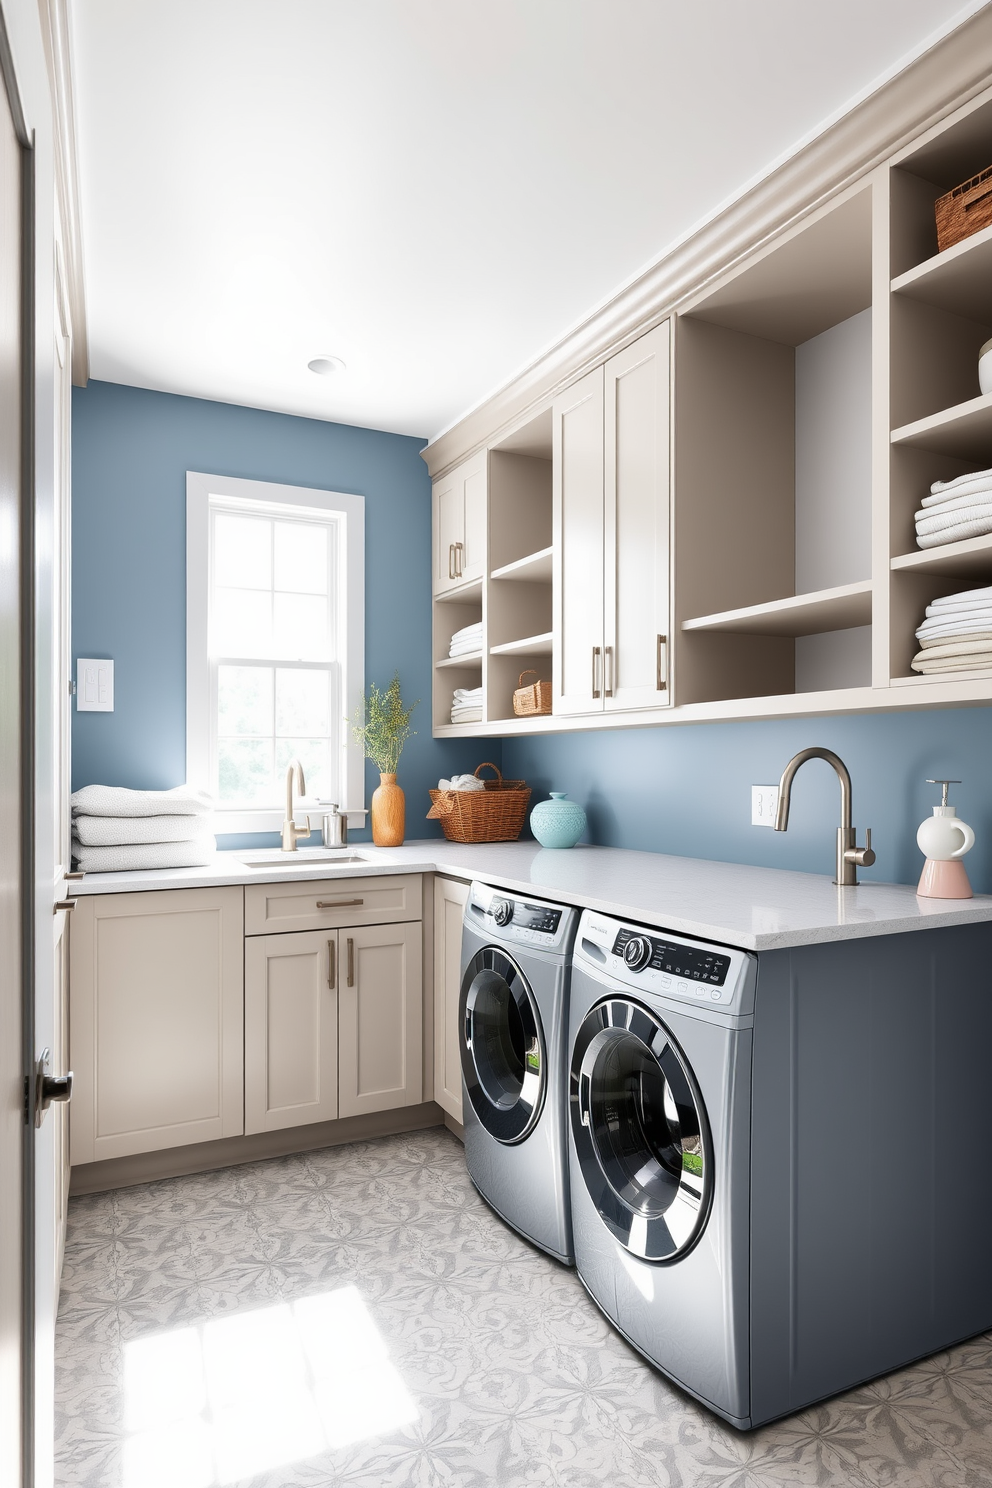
<point>275,645</point>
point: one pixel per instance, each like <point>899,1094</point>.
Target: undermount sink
<point>326,858</point>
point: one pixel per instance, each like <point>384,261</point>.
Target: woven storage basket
<point>965,210</point>
<point>534,698</point>
<point>495,814</point>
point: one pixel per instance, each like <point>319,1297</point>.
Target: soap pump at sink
<point>944,840</point>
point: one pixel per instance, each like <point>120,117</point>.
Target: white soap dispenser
<point>944,840</point>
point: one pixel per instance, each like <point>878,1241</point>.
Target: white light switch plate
<point>764,804</point>
<point>94,685</point>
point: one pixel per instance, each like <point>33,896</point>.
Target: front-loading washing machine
<point>513,1015</point>
<point>660,1034</point>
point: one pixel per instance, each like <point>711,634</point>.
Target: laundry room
<point>494,775</point>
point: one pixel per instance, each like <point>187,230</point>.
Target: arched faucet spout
<point>849,855</point>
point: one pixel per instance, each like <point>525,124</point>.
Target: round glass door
<point>502,1045</point>
<point>640,1131</point>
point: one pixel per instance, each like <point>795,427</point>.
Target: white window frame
<point>349,511</point>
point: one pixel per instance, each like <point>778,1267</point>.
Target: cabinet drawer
<point>326,903</point>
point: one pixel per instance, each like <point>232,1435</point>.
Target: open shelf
<point>472,659</point>
<point>964,431</point>
<point>538,645</point>
<point>468,594</point>
<point>958,280</point>
<point>973,556</point>
<point>534,569</point>
<point>840,608</point>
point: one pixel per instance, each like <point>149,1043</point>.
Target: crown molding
<point>946,76</point>
<point>57,32</point>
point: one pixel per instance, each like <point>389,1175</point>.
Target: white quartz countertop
<point>757,909</point>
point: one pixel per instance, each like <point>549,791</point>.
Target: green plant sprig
<point>384,726</point>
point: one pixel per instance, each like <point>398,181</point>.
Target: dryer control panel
<point>670,965</point>
<point>513,919</point>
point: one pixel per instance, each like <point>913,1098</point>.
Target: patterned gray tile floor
<point>358,1317</point>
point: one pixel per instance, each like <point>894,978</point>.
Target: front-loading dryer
<point>658,1116</point>
<point>513,1015</point>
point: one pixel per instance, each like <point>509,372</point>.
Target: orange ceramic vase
<point>388,813</point>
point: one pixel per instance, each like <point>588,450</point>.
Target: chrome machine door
<point>640,1131</point>
<point>502,1045</point>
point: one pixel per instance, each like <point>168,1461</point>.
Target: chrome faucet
<point>849,855</point>
<point>290,831</point>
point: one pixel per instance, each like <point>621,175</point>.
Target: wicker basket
<point>495,814</point>
<point>965,210</point>
<point>534,698</point>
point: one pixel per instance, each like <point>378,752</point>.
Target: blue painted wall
<point>131,450</point>
<point>687,790</point>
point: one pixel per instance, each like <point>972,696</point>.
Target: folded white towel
<point>466,715</point>
<point>120,831</point>
<point>964,596</point>
<point>468,694</point>
<point>114,800</point>
<point>960,481</point>
<point>937,629</point>
<point>462,783</point>
<point>938,520</point>
<point>468,648</point>
<point>957,646</point>
<point>136,856</point>
<point>469,631</point>
<point>964,608</point>
<point>958,637</point>
<point>980,527</point>
<point>940,506</point>
<point>969,662</point>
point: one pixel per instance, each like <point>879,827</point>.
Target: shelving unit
<point>840,608</point>
<point>535,568</point>
<point>538,645</point>
<point>967,559</point>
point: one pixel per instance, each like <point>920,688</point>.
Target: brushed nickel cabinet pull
<point>596,653</point>
<point>662,663</point>
<point>608,681</point>
<point>458,560</point>
<point>351,962</point>
<point>451,560</point>
<point>63,904</point>
<point>332,971</point>
<point>338,903</point>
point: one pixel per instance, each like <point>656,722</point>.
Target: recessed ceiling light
<point>326,366</point>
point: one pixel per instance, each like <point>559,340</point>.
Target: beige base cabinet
<point>380,1018</point>
<point>291,1030</point>
<point>156,1015</point>
<point>450,895</point>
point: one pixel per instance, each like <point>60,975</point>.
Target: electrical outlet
<point>764,805</point>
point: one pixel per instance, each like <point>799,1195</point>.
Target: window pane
<point>244,701</point>
<point>241,623</point>
<point>300,627</point>
<point>303,703</point>
<point>315,757</point>
<point>301,557</point>
<point>244,772</point>
<point>242,551</point>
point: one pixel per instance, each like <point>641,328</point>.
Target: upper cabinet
<point>717,518</point>
<point>460,525</point>
<point>611,533</point>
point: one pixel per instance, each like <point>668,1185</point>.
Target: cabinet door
<point>636,567</point>
<point>460,524</point>
<point>578,543</point>
<point>291,1030</point>
<point>449,904</point>
<point>156,1020</point>
<point>380,1019</point>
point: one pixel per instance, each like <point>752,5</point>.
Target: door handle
<point>596,654</point>
<point>48,1088</point>
<point>458,560</point>
<point>351,962</point>
<point>662,663</point>
<point>338,903</point>
<point>332,970</point>
<point>61,904</point>
<point>451,561</point>
<point>608,670</point>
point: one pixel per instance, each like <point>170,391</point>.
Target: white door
<point>291,1029</point>
<point>578,543</point>
<point>380,1018</point>
<point>449,529</point>
<point>156,1002</point>
<point>637,517</point>
<point>450,895</point>
<point>470,562</point>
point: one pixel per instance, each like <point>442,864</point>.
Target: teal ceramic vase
<point>558,822</point>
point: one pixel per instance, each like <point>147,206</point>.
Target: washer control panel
<point>670,965</point>
<point>513,919</point>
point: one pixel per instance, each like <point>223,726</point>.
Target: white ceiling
<point>434,190</point>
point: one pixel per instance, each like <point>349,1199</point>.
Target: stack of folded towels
<point>956,636</point>
<point>955,510</point>
<point>116,830</point>
<point>467,641</point>
<point>466,705</point>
